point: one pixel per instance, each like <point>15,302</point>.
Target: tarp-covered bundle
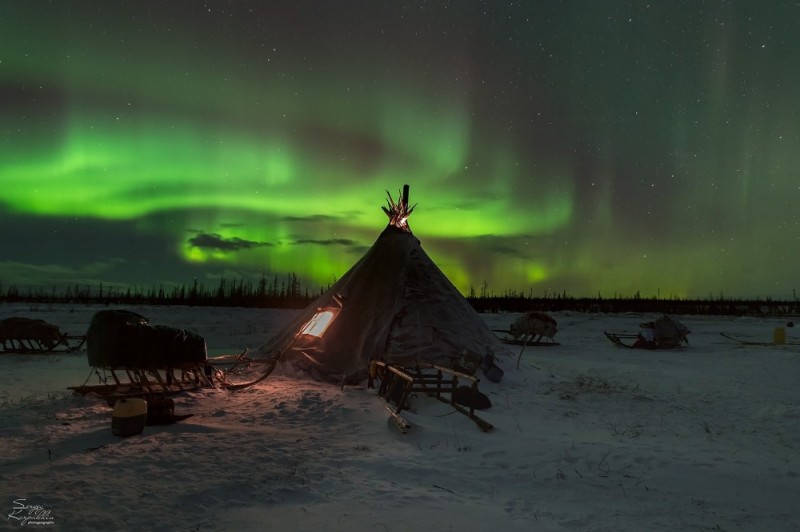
<point>535,324</point>
<point>669,332</point>
<point>394,305</point>
<point>124,339</point>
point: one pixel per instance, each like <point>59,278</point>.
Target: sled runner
<point>629,341</point>
<point>230,372</point>
<point>123,382</point>
<point>241,371</point>
<point>748,342</point>
<point>506,339</point>
<point>622,340</point>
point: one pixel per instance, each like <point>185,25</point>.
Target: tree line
<point>288,292</point>
<point>716,306</point>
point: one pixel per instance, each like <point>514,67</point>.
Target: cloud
<point>516,246</point>
<point>216,241</point>
<point>22,274</point>
<point>327,242</point>
<point>19,272</point>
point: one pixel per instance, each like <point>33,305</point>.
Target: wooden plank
<point>398,420</point>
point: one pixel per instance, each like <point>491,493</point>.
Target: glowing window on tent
<point>317,325</point>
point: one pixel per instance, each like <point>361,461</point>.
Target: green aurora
<point>552,148</point>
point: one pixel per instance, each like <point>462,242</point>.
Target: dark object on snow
<point>124,339</point>
<point>161,411</point>
<point>466,396</point>
<point>492,371</point>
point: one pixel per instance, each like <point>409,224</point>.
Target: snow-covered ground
<point>588,436</point>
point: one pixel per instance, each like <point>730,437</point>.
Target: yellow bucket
<point>129,418</point>
<point>779,336</point>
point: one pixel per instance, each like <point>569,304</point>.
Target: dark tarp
<point>120,338</point>
<point>670,332</point>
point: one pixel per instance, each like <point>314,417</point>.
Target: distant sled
<point>508,339</point>
<point>533,328</point>
<point>629,341</point>
<point>28,336</point>
<point>663,333</point>
<point>530,329</point>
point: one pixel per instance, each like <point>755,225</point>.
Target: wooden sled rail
<point>398,383</point>
<point>26,346</point>
<point>117,382</point>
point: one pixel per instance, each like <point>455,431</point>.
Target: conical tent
<point>394,305</point>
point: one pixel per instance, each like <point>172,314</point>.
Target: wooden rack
<point>399,382</point>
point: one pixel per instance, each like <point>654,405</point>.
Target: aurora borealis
<point>553,146</point>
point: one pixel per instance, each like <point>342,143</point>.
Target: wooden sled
<point>525,340</point>
<point>398,383</point>
<point>69,344</point>
<point>31,336</point>
<point>229,372</point>
<point>628,340</point>
<point>123,382</point>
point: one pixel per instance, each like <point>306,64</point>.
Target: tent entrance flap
<point>322,319</point>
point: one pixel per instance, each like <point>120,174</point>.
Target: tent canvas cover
<point>393,305</point>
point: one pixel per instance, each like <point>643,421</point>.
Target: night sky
<point>587,147</point>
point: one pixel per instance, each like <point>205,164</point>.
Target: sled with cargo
<point>665,332</point>
<point>129,357</point>
<point>28,336</point>
<point>533,328</point>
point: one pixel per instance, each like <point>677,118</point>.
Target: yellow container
<point>129,418</point>
<point>779,336</point>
